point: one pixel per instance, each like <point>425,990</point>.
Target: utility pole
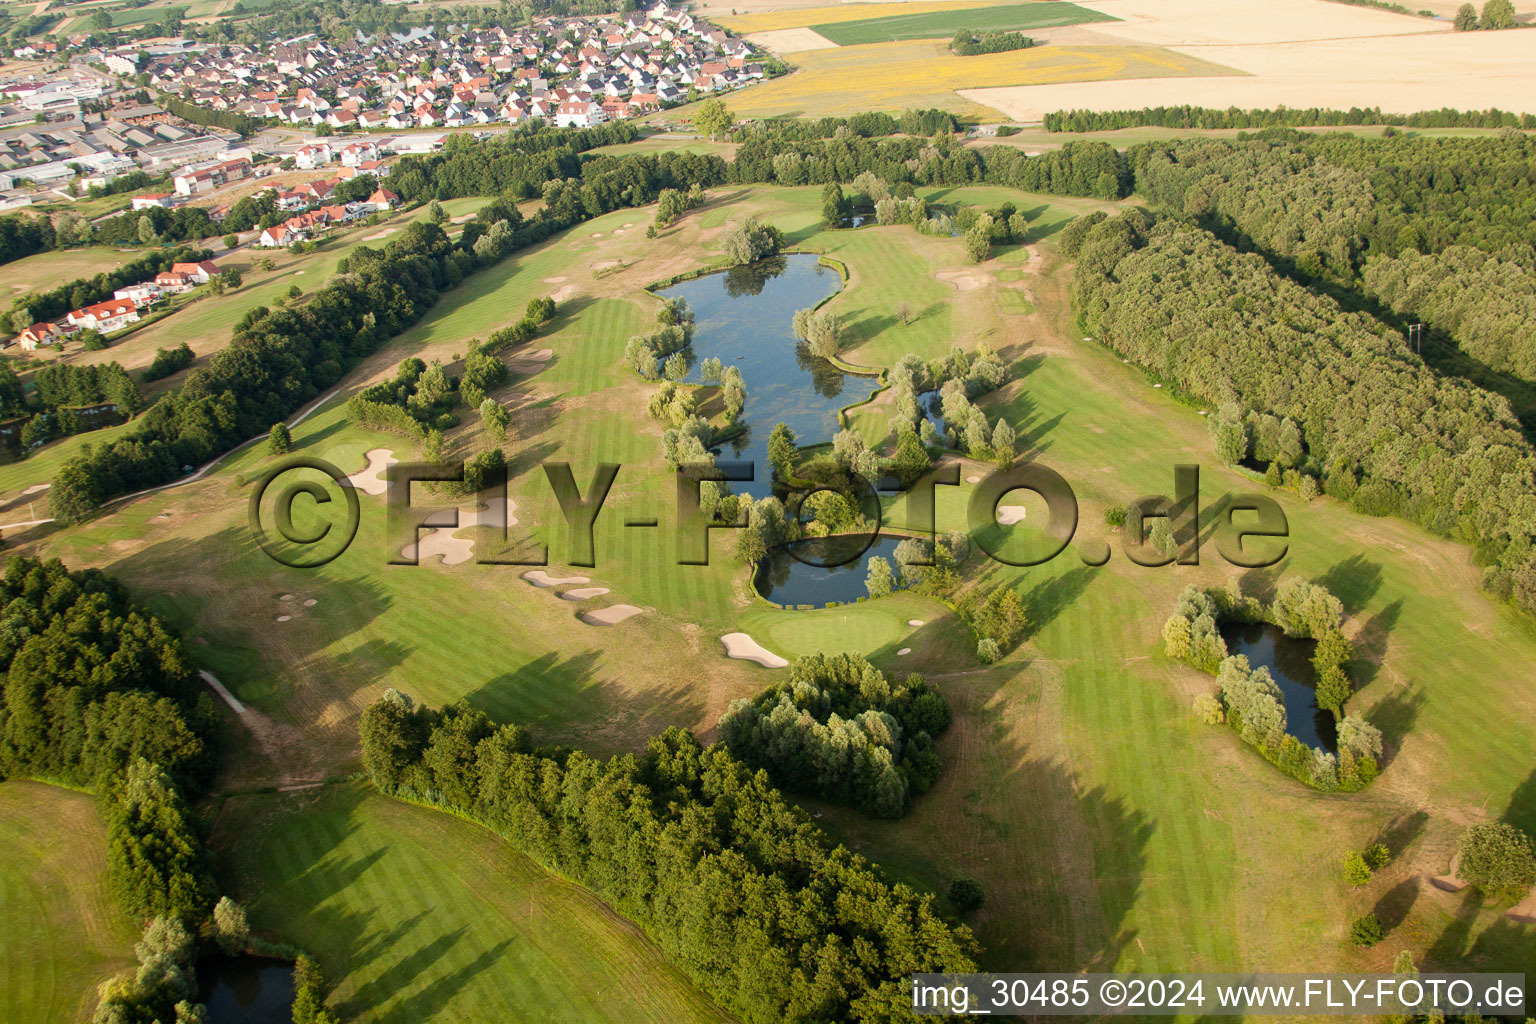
<point>1416,338</point>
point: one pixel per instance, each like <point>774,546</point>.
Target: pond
<point>246,989</point>
<point>743,318</point>
<point>1289,660</point>
<point>784,579</point>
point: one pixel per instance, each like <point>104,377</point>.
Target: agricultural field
<point>1110,828</point>
<point>924,73</point>
<point>943,24</point>
<point>61,933</point>
<point>1296,53</point>
<point>425,917</point>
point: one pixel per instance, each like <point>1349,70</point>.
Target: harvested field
<point>1297,53</point>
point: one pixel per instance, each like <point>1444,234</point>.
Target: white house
<point>164,200</point>
<point>578,114</point>
<point>105,317</point>
<point>316,154</point>
<point>141,294</point>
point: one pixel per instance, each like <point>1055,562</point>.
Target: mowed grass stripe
<point>416,916</point>
<point>61,933</point>
<point>943,24</point>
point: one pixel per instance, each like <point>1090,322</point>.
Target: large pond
<point>744,318</point>
<point>246,989</point>
<point>786,580</point>
<point>1289,660</point>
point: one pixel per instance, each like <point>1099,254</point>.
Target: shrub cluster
<point>836,728</point>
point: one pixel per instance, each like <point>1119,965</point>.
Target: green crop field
<point>418,916</point>
<point>61,933</point>
<point>943,24</point>
<point>1109,827</point>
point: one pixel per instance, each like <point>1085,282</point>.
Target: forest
<point>1430,230</point>
<point>1378,428</point>
<point>738,888</point>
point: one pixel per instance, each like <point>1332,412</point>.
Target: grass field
<point>1109,827</point>
<point>943,24</point>
<point>418,916</point>
<point>48,270</point>
<point>61,933</point>
<point>896,76</point>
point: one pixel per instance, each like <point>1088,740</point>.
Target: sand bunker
<point>35,489</point>
<point>370,479</point>
<point>744,648</point>
<point>914,622</point>
<point>582,593</point>
<point>285,597</point>
<point>540,578</point>
<point>963,280</point>
<point>973,479</point>
<point>451,549</point>
<point>310,602</point>
<point>597,234</point>
<point>284,618</point>
<point>565,292</point>
<point>605,264</point>
<point>1008,515</point>
<point>555,280</point>
<point>611,615</point>
<point>530,362</point>
<point>379,234</point>
<point>903,652</point>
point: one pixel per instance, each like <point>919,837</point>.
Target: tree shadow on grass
<point>1371,643</point>
<point>1393,906</point>
<point>1354,581</point>
<point>575,700</point>
<point>1521,811</point>
<point>1448,952</point>
<point>1047,600</point>
<point>1395,716</point>
<point>1399,833</point>
<point>431,1000</point>
<point>1261,584</point>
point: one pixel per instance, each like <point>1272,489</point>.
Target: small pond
<point>784,579</point>
<point>1289,660</point>
<point>246,989</point>
<point>743,318</point>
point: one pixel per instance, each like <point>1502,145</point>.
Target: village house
<point>45,334</point>
<point>105,317</point>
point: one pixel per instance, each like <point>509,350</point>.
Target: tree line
<point>739,889</point>
<point>1186,116</point>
